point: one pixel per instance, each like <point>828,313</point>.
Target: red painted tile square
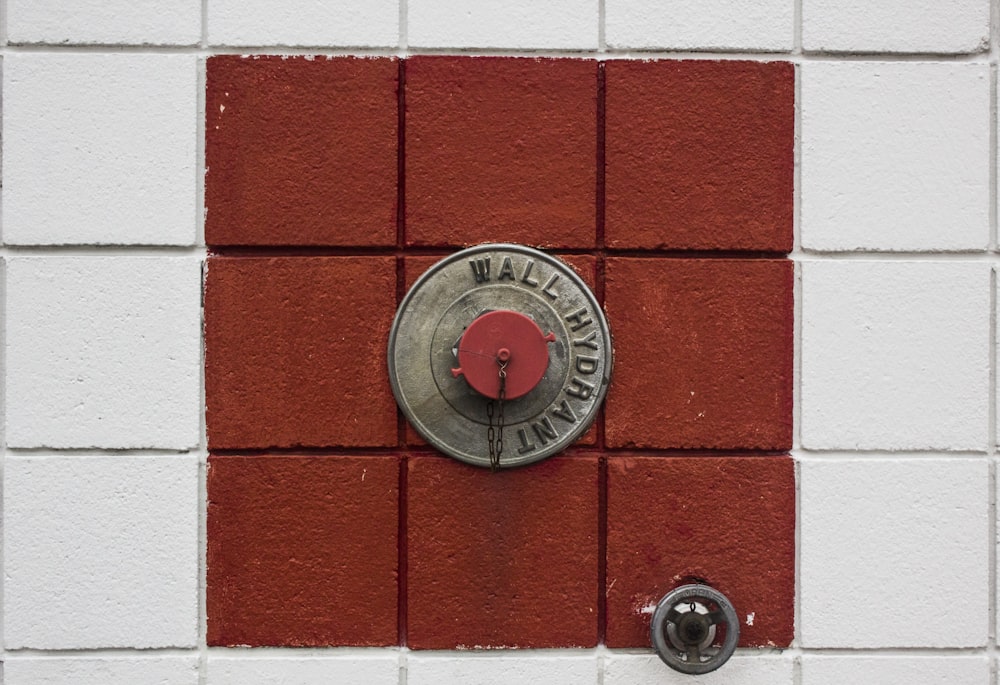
<point>295,352</point>
<point>729,521</point>
<point>703,353</point>
<point>504,559</point>
<point>501,149</point>
<point>699,155</point>
<point>301,150</point>
<point>302,550</point>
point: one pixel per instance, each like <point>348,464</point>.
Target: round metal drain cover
<point>491,318</point>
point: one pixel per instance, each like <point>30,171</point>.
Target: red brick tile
<point>295,352</point>
<point>585,267</point>
<point>729,521</point>
<point>501,149</point>
<point>590,437</point>
<point>415,266</point>
<point>703,353</point>
<point>302,550</point>
<point>699,155</point>
<point>301,151</point>
<point>504,559</point>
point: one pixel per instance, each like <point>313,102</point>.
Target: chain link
<point>495,438</point>
<point>500,420</point>
<point>491,436</point>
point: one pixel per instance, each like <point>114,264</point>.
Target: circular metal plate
<point>430,321</point>
<point>690,658</point>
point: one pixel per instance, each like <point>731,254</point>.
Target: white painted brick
<point>895,670</point>
<point>304,22</point>
<point>895,355</point>
<point>883,543</point>
<point>743,669</point>
<point>104,352</point>
<point>99,148</point>
<point>524,24</point>
<point>100,551</point>
<point>130,22</point>
<point>101,670</point>
<point>497,669</point>
<point>381,667</point>
<point>941,26</point>
<point>700,24</point>
<point>895,156</point>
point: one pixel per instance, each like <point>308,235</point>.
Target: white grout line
<point>202,565</point>
<point>3,367</point>
<point>403,49</point>
<point>198,252</point>
<point>602,26</point>
<point>994,56</point>
<point>797,27</point>
<point>598,653</point>
<point>991,495</point>
<point>189,251</point>
<point>62,452</point>
<point>889,651</point>
<point>404,27</point>
<point>875,256</point>
<point>812,455</point>
<point>797,590</point>
<point>3,461</point>
<point>801,454</point>
<point>203,435</point>
<point>204,24</point>
<point>795,256</point>
<point>147,653</point>
<point>203,430</point>
<point>199,164</point>
<point>992,245</point>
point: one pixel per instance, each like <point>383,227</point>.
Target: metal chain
<point>495,438</point>
<point>500,420</point>
<point>491,437</point>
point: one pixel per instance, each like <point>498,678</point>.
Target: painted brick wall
<point>479,149</point>
<point>211,210</point>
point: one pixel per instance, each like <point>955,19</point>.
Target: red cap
<point>503,337</point>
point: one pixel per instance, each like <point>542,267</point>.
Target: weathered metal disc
<point>423,343</point>
<point>694,657</point>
